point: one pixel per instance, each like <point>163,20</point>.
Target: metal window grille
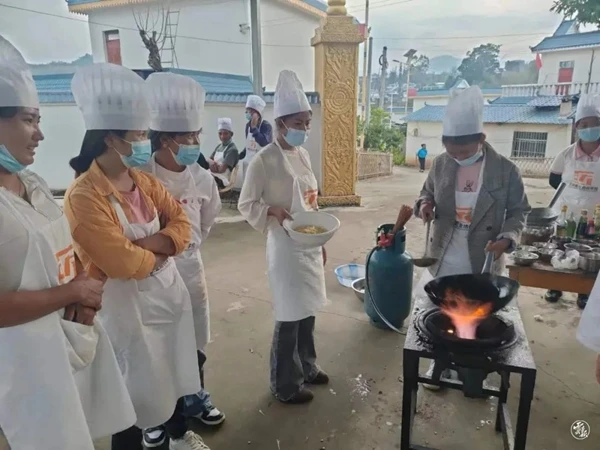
<point>528,144</point>
<point>566,64</point>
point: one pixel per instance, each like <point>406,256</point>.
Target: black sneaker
<point>154,437</point>
<point>303,396</point>
<point>582,300</point>
<point>320,379</point>
<point>211,417</point>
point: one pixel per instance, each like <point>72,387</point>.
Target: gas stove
<point>500,346</point>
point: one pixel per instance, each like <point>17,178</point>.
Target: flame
<point>465,314</point>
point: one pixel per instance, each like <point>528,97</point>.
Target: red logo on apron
<point>310,198</point>
<point>464,215</point>
<point>583,177</point>
<point>66,264</point>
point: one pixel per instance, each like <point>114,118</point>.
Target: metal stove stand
<point>516,359</point>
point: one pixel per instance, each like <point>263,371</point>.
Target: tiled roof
<point>508,100</point>
<point>496,114</point>
<point>446,92</point>
<point>220,87</point>
<point>544,101</point>
<point>589,39</point>
<point>564,27</point>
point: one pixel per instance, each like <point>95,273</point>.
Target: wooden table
<point>545,276</point>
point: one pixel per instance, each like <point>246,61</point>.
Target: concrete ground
<point>361,409</point>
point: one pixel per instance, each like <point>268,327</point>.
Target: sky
<point>432,27</point>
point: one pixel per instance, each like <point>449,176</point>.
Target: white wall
<point>499,136</point>
<point>286,26</point>
<point>64,129</point>
<point>583,58</point>
<point>420,102</point>
<point>205,24</point>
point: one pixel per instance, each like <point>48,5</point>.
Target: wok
<point>484,287</point>
<point>543,216</point>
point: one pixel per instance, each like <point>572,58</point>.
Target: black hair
<point>8,112</point>
<point>155,136</point>
<point>281,119</point>
<point>462,140</point>
<point>422,145</point>
<point>93,145</point>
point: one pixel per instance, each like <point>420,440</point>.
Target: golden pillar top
<point>336,8</point>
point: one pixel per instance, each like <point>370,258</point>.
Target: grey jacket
<point>500,211</point>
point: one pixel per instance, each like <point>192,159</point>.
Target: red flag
<point>538,61</point>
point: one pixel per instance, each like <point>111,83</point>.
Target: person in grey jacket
<point>474,196</point>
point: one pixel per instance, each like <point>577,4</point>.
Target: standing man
<point>421,155</point>
<point>259,132</point>
<point>579,167</point>
<point>226,156</point>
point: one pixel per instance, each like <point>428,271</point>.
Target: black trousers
<point>422,163</point>
<point>176,426</point>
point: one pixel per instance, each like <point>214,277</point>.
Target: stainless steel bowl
<point>590,262</point>
<point>581,248</point>
<point>359,286</point>
<point>525,258</point>
<point>526,248</point>
<point>547,245</point>
<point>546,254</point>
<point>589,242</point>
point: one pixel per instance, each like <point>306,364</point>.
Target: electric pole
<point>369,72</point>
<point>409,56</point>
<point>365,94</point>
<point>383,62</point>
<point>256,47</point>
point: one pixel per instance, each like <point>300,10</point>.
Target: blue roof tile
<point>589,39</point>
<point>512,100</point>
<point>220,87</point>
<point>564,27</point>
<point>496,114</point>
<point>544,101</point>
<point>445,92</point>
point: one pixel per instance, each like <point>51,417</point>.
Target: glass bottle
<point>561,223</point>
<point>582,225</point>
<point>571,226</point>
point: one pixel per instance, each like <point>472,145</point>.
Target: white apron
<point>296,275</point>
<point>70,390</point>
<point>189,263</point>
<point>456,259</point>
<point>152,331</point>
<point>588,332</point>
<point>252,148</point>
<point>583,180</point>
<point>225,175</point>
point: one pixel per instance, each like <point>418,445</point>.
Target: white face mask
<point>471,160</point>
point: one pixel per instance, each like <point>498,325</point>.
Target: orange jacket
<point>97,232</point>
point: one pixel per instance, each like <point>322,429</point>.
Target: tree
<point>379,136</point>
<point>152,26</point>
<point>585,11</point>
<point>481,65</point>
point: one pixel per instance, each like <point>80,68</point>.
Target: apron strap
<point>119,210</point>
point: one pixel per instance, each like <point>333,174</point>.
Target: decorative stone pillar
<point>336,44</point>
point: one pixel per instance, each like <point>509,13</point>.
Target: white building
<point>530,131</point>
<point>439,97</point>
<point>209,36</point>
<point>570,63</point>
<point>226,95</point>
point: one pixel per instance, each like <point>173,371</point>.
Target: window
<point>565,75</point>
<point>566,64</point>
<point>112,42</point>
<point>529,145</point>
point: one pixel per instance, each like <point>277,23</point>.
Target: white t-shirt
<point>570,153</point>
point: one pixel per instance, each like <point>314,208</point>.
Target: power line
<point>73,19</point>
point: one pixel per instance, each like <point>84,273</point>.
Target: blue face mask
<point>470,161</point>
<point>140,153</point>
<point>187,154</point>
<point>9,162</point>
<point>589,134</point>
<point>248,116</point>
<point>294,137</point>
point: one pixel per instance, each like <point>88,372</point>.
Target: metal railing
<point>533,167</point>
<point>532,90</point>
<point>374,164</point>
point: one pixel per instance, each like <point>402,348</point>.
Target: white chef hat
<point>111,97</point>
<point>176,102</point>
<point>225,124</point>
<point>464,113</point>
<point>588,106</point>
<point>289,95</point>
<point>17,88</point>
<point>256,103</point>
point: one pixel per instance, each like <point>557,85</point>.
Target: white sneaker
<point>189,441</point>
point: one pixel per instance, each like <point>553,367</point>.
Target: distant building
<point>209,36</point>
<point>569,59</point>
<point>515,66</point>
<point>423,97</point>
<point>529,130</point>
